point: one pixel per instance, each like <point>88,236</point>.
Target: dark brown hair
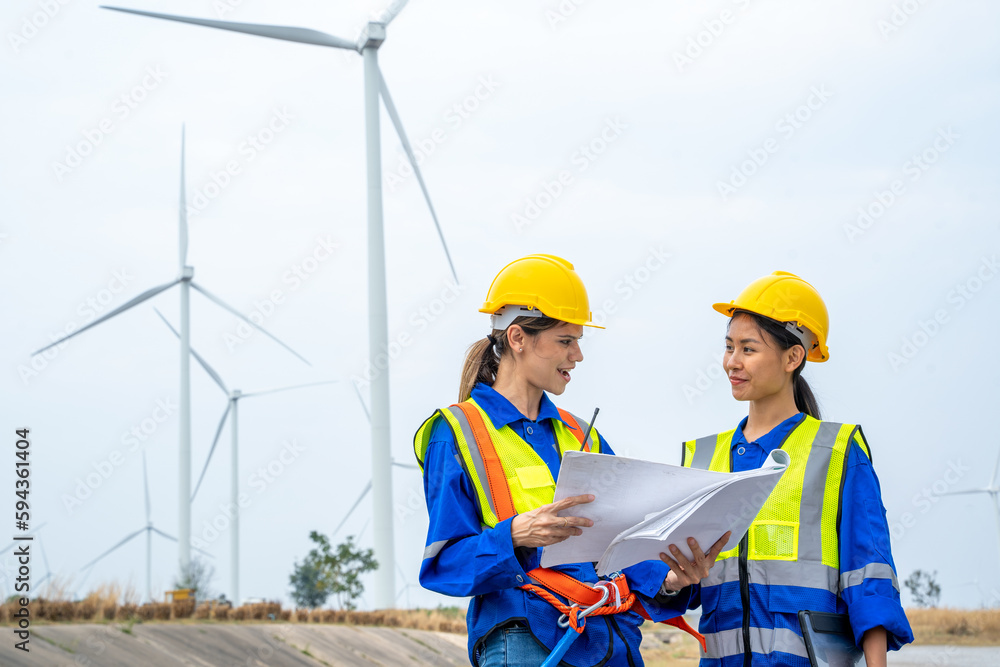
<point>805,401</point>
<point>482,360</point>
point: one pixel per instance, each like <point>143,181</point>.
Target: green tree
<point>924,588</point>
<point>326,571</point>
<point>306,589</point>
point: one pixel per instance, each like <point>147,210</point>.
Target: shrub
<point>182,608</point>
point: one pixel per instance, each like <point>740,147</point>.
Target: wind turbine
<point>367,45</point>
<point>368,486</point>
<point>149,530</point>
<point>232,407</point>
<point>185,279</point>
<point>992,489</point>
<point>364,492</point>
<point>406,588</point>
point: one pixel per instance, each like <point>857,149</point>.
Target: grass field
<point>963,627</point>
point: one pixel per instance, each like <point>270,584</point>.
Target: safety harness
<point>606,597</point>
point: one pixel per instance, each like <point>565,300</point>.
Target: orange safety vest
<point>551,583</point>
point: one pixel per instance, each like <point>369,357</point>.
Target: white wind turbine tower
<point>367,45</point>
<point>232,407</point>
<point>149,530</point>
<point>992,489</point>
<point>185,279</point>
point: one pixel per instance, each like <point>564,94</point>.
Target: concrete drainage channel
<point>252,645</point>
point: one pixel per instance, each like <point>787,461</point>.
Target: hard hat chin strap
<point>506,315</point>
<point>805,336</point>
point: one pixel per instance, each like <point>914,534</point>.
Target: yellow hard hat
<point>787,298</point>
<point>538,285</point>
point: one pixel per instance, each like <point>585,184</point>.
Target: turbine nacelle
<point>372,36</point>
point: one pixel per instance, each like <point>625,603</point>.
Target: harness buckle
<point>606,588</point>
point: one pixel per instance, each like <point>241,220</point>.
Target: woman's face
<point>549,357</point>
<point>756,366</point>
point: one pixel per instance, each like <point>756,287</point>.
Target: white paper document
<point>641,507</point>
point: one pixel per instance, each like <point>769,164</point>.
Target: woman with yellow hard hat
<point>821,541</point>
<point>490,464</point>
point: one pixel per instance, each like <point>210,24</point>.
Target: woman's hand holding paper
<point>543,526</point>
<point>685,571</point>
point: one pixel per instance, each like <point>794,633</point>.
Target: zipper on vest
<point>745,598</point>
<point>618,631</point>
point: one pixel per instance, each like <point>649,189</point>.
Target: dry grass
<point>111,602</point>
<point>964,627</point>
<point>662,646</point>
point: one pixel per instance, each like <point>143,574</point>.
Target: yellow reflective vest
<point>529,479</point>
<point>791,546</point>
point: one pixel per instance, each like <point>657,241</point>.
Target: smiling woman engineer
<point>489,466</point>
<point>821,541</point>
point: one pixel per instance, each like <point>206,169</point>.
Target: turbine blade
<point>961,493</point>
<point>285,33</point>
<point>298,386</point>
<point>405,465</point>
<point>145,485</point>
<point>362,402</point>
<point>363,529</point>
<point>387,15</point>
<point>183,229</point>
<point>218,432</point>
<point>204,364</point>
<point>44,560</point>
<point>391,108</point>
<point>171,537</point>
<point>108,552</point>
<point>368,487</point>
<point>222,304</point>
<point>82,582</point>
<point>148,294</point>
<point>162,534</point>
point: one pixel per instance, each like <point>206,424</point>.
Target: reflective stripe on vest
<point>522,488</point>
<point>762,640</point>
<point>776,573</point>
<point>793,540</point>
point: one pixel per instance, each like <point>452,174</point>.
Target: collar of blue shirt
<point>502,412</point>
<point>773,438</point>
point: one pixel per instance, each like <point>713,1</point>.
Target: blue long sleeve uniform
<point>863,542</point>
<point>464,559</point>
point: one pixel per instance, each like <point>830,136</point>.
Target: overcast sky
<point>672,151</point>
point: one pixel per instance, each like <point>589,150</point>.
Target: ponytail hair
<point>805,400</point>
<point>482,359</point>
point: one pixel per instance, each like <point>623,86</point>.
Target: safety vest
<point>792,542</point>
<point>510,477</point>
<point>495,458</point>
